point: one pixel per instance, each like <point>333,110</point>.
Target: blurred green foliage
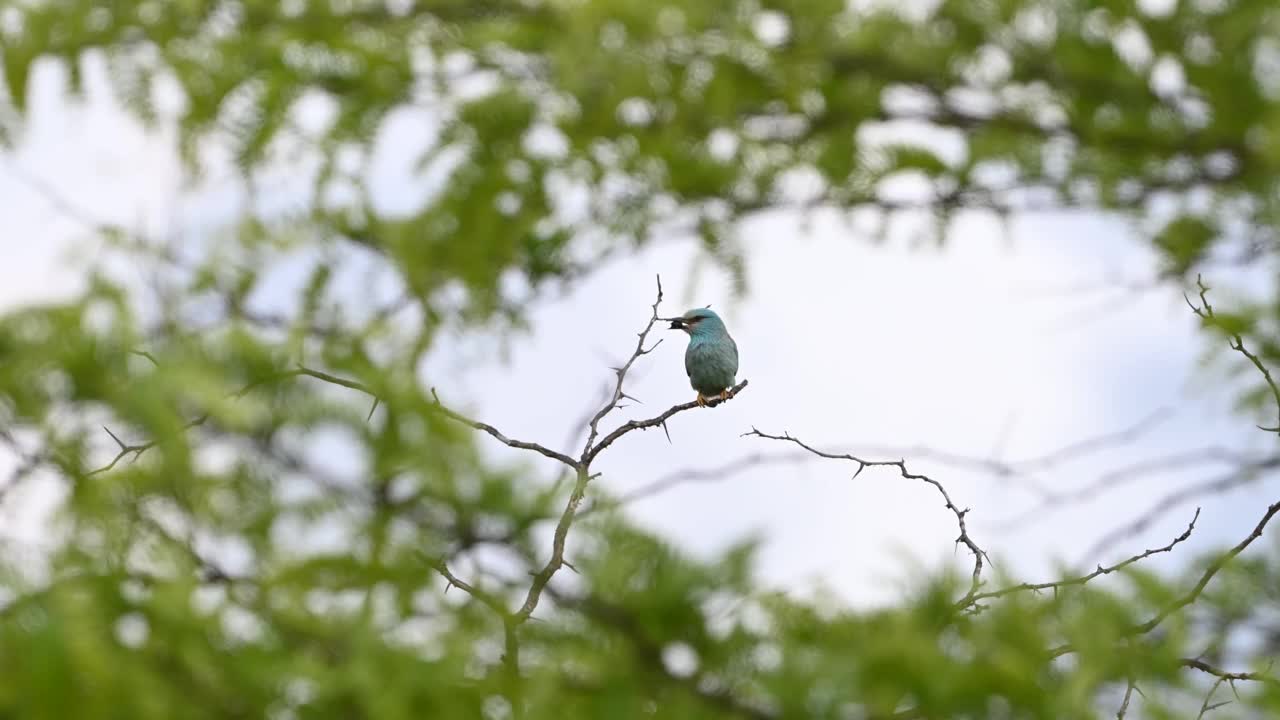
<point>180,583</point>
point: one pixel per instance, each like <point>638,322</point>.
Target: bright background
<point>1006,345</point>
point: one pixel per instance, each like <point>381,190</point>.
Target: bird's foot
<point>724,395</point>
<point>702,401</point>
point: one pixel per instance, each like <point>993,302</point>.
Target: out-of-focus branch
<point>901,466</point>
<point>1221,674</point>
<point>1206,706</point>
<point>583,423</point>
<point>699,475</point>
<point>649,652</point>
<point>1047,461</point>
<point>1248,473</point>
<point>1082,579</point>
<point>137,450</point>
<point>1128,474</point>
<point>1124,704</point>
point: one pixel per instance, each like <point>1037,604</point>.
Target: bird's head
<point>701,321</point>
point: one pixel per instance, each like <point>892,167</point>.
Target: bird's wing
<point>688,360</point>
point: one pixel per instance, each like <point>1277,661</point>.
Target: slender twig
<point>497,435</point>
<point>1124,705</point>
<point>334,380</point>
<point>1015,468</point>
<point>583,423</point>
<point>1205,707</point>
<point>656,421</point>
<point>1243,475</point>
<point>138,449</point>
<point>1236,342</point>
<point>978,553</point>
<point>621,374</point>
<point>1194,593</point>
<point>1082,579</point>
<point>1213,569</point>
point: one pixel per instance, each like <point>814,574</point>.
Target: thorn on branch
<point>979,555</point>
<point>1236,342</point>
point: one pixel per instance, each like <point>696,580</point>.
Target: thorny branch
<point>1124,704</point>
<point>978,553</point>
<point>556,561</point>
<point>1204,667</point>
<point>497,435</point>
<point>597,441</point>
<point>580,466</point>
<point>621,373</point>
<point>1205,312</point>
<point>138,449</point>
<point>1192,594</point>
<point>1208,574</point>
<point>592,449</point>
<point>1205,707</point>
<point>630,425</point>
<point>1082,579</point>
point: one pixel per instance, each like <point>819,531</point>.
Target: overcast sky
<point>984,349</point>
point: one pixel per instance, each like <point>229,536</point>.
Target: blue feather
<point>711,360</point>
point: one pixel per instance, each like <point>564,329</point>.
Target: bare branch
<point>492,431</point>
<point>901,465</point>
<point>630,425</point>
<point>1205,312</point>
<point>452,580</point>
<point>1124,705</point>
<point>334,380</point>
<point>621,372</point>
<point>1221,674</point>
<point>1205,706</point>
<point>1208,574</point>
<point>136,450</point>
<point>556,561</point>
<point>583,423</point>
<point>1082,579</point>
<point>1194,593</point>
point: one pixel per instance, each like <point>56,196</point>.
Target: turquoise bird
<point>711,360</point>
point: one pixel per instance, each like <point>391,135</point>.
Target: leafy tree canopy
<point>571,131</point>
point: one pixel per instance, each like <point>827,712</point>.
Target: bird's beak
<point>676,323</point>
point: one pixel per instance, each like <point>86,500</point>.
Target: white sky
<point>981,349</point>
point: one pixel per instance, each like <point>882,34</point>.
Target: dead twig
<point>901,466</point>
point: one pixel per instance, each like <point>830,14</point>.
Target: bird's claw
<point>724,395</point>
<point>702,402</point>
